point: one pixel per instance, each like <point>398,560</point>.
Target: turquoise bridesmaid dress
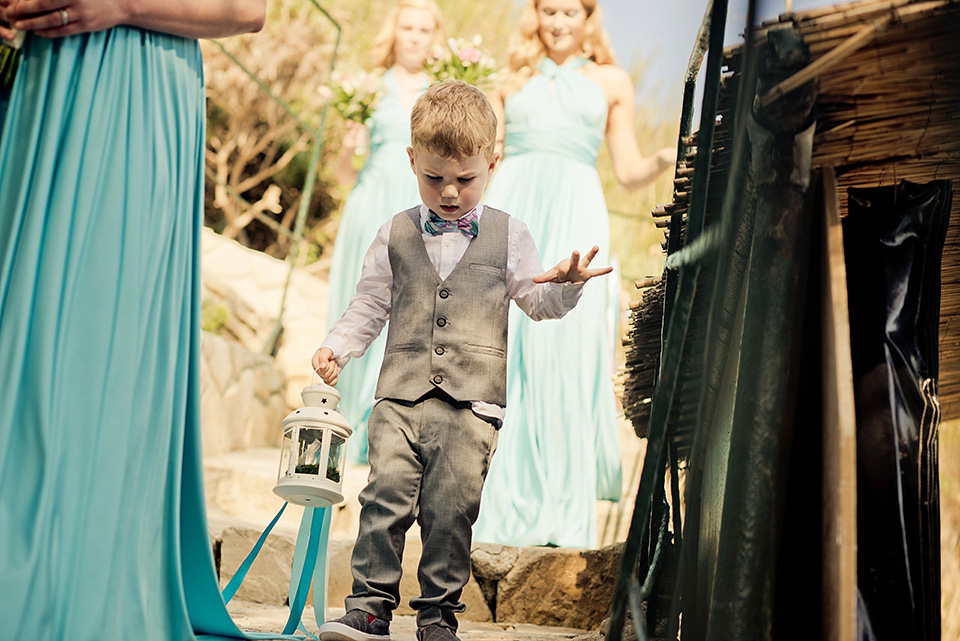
<point>103,533</point>
<point>559,448</point>
<point>384,186</point>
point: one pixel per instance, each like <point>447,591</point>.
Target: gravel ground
<point>256,617</point>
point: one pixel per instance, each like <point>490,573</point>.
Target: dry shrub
<point>258,153</point>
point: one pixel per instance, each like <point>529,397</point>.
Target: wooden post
<point>839,437</point>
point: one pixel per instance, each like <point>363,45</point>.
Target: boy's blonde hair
<point>527,49</point>
<point>381,49</point>
<point>454,119</point>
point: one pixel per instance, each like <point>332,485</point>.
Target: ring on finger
<point>64,17</point>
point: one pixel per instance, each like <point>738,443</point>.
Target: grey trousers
<point>428,461</point>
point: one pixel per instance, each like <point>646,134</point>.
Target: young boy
<point>442,387</point>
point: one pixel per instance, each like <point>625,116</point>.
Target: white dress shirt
<point>369,309</point>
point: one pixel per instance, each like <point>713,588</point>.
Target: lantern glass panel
<point>335,458</point>
<point>309,449</point>
<point>286,452</point>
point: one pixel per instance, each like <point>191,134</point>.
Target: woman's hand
<point>355,136</point>
<point>188,18</point>
<point>6,33</point>
<point>667,157</point>
<point>56,18</point>
<point>355,140</point>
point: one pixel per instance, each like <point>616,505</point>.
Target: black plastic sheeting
<point>893,241</point>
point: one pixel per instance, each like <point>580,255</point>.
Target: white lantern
<point>314,450</point>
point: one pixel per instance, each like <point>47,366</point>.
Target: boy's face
<point>450,187</point>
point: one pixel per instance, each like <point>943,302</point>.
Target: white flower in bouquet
<point>461,59</point>
<point>353,95</point>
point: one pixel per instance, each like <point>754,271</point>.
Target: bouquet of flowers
<point>10,59</point>
<point>462,60</point>
<point>354,96</point>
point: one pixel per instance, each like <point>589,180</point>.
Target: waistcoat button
<point>439,350</point>
<point>444,293</point>
<point>437,379</point>
<point>441,322</point>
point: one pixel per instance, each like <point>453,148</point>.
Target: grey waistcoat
<point>449,334</point>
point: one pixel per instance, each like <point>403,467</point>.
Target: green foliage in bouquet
<point>10,59</point>
<point>461,59</point>
<point>354,95</point>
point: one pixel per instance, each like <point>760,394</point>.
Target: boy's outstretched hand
<point>325,365</point>
<point>573,269</point>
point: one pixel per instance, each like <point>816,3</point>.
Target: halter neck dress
<point>384,186</point>
<point>559,448</point>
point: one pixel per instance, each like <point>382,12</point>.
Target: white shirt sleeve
<point>369,309</point>
<point>539,301</point>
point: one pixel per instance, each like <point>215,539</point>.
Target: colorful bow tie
<point>466,224</point>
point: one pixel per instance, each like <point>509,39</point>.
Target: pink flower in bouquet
<point>461,60</point>
<point>469,54</point>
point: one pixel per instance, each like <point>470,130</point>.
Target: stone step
<point>268,578</point>
<point>542,586</point>
<point>257,617</point>
<point>539,586</point>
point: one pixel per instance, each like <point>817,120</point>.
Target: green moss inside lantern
<point>333,473</point>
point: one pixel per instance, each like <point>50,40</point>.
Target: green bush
<point>213,315</point>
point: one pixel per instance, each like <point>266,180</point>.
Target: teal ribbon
<point>234,584</point>
<point>309,563</point>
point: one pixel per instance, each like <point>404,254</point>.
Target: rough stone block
<point>268,580</point>
<point>559,587</point>
<point>492,561</point>
<point>242,397</point>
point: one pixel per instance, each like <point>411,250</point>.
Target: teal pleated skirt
<point>103,533</point>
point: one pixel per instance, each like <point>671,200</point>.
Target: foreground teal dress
<point>559,448</point>
<point>103,534</point>
<point>384,186</point>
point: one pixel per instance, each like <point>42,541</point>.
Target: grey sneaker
<point>356,625</point>
<point>435,632</point>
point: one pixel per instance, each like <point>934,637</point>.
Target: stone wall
<point>243,397</point>
<point>254,287</point>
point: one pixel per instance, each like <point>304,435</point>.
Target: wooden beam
<point>839,431</point>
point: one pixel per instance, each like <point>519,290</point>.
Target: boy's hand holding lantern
<point>325,366</point>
